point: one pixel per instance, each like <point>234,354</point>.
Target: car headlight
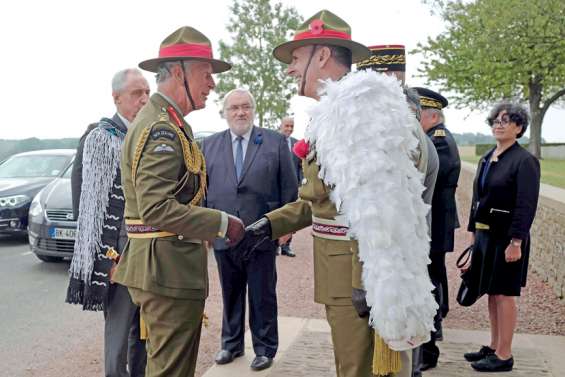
<point>13,201</point>
<point>35,208</point>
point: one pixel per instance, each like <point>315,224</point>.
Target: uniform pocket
<point>178,264</point>
<point>340,274</point>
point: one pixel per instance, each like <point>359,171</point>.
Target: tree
<point>256,28</point>
<point>500,49</point>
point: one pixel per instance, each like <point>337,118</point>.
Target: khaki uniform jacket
<point>336,263</point>
<point>158,193</point>
<point>337,268</point>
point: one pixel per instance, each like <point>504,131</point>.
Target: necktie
<point>239,157</point>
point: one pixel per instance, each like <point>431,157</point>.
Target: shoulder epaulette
<point>439,133</point>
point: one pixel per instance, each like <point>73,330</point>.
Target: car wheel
<point>47,259</point>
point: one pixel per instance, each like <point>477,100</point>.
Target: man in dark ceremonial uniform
<point>444,209</point>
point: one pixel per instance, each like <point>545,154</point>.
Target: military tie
<point>239,157</point>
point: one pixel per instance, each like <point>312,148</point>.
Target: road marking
<point>26,253</point>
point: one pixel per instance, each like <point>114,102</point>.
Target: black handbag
<point>468,292</point>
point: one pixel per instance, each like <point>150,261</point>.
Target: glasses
<point>501,122</point>
<point>246,108</point>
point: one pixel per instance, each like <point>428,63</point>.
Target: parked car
<point>22,176</point>
<point>201,135</point>
<point>52,227</point>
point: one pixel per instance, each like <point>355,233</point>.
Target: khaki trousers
<point>353,341</point>
<point>173,328</point>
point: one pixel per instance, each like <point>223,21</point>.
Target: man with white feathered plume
<point>361,193</point>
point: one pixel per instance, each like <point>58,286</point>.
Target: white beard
<point>362,131</point>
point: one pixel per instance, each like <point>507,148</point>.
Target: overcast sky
<point>59,56</point>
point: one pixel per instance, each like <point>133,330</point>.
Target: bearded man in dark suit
<point>250,173</point>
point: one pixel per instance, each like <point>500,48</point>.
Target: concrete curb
<point>535,355</point>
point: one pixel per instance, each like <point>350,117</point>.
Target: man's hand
<point>235,231</point>
<point>255,234</point>
<point>358,297</point>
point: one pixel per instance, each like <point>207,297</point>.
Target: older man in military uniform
<point>322,49</point>
<point>164,180</point>
<point>444,209</point>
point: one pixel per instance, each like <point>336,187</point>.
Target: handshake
<point>244,241</point>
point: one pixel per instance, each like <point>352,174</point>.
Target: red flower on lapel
<point>301,148</point>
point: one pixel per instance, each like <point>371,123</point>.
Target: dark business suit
<point>122,343</point>
<point>296,161</point>
<point>267,182</point>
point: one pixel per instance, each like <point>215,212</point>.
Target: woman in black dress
<point>505,196</point>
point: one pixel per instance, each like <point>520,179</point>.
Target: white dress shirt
<point>244,143</point>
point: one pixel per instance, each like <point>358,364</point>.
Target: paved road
<point>37,327</point>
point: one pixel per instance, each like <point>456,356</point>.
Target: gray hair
<point>238,90</point>
<point>438,112</point>
<point>120,78</point>
<point>164,70</point>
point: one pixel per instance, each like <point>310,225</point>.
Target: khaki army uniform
<point>164,264</point>
<point>337,270</point>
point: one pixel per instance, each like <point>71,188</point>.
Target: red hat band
<point>186,49</point>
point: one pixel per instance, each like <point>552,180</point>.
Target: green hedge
<point>481,149</point>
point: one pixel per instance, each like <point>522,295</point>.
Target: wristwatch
<point>516,243</point>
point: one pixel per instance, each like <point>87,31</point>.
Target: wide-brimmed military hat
<point>185,43</point>
<point>385,58</point>
<point>322,28</point>
<point>430,99</point>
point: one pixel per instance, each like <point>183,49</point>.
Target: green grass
<point>552,171</point>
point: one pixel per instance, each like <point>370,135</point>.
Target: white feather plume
<point>362,132</point>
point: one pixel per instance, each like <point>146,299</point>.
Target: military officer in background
<point>391,60</point>
<point>444,210</point>
<point>164,264</point>
<point>387,59</point>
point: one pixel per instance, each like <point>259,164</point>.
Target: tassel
<point>143,333</point>
<point>385,360</point>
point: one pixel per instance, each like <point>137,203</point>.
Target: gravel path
<point>540,312</point>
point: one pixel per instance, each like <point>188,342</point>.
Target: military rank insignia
<point>439,133</point>
<point>163,148</point>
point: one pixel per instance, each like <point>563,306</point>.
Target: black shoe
<point>492,363</point>
<point>261,362</point>
<point>288,253</point>
<point>476,356</point>
<point>438,335</point>
<point>226,357</point>
<point>425,366</point>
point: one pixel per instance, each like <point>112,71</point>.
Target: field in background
<point>552,171</point>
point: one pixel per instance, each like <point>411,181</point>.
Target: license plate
<point>62,233</point>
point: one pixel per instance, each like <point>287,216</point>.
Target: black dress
<point>505,196</point>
